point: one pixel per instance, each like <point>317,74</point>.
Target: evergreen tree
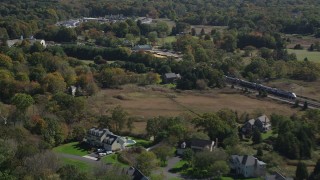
<point>202,33</point>
<point>311,48</point>
<point>316,172</point>
<point>259,152</point>
<point>256,136</point>
<point>193,32</point>
<point>302,171</point>
<point>305,105</point>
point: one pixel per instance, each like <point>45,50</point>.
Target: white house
<point>30,40</point>
<point>113,142</point>
<point>247,166</point>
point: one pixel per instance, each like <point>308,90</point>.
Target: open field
<point>304,41</point>
<point>144,103</point>
<point>301,54</point>
<point>307,89</point>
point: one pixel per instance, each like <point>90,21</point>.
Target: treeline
<point>27,18</point>
<point>89,52</point>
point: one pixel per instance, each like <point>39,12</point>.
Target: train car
<point>270,90</point>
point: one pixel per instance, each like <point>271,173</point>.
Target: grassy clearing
<point>113,159</point>
<point>226,178</point>
<point>267,135</point>
<point>180,164</point>
<point>168,39</point>
<point>301,54</point>
<point>180,167</point>
<point>141,142</point>
<point>79,164</point>
<point>73,148</point>
<point>175,178</point>
<point>148,102</point>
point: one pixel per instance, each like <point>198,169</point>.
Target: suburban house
<point>196,145</point>
<point>262,123</point>
<point>113,142</point>
<point>106,139</point>
<point>136,174</point>
<point>170,77</point>
<point>247,166</point>
<point>145,47</point>
<point>31,40</point>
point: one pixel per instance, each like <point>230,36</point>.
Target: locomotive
<point>256,86</point>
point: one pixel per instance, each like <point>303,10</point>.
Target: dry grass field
<point>307,89</point>
<point>144,103</point>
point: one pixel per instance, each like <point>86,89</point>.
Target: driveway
<point>165,170</point>
<point>87,160</point>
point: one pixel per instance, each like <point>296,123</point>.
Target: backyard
<point>73,148</point>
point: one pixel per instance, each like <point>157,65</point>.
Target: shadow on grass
<point>82,146</point>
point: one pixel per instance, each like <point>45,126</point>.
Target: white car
<point>99,150</point>
<point>109,152</point>
<point>102,154</point>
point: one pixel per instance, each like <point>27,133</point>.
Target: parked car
<point>109,152</point>
<point>102,154</point>
<point>100,150</point>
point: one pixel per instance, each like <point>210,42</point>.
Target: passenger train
<point>255,86</point>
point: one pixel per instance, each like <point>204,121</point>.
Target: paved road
<point>165,170</point>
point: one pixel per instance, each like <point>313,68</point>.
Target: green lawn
<point>113,159</point>
<point>230,178</point>
<point>301,54</point>
<point>226,178</point>
<point>168,39</point>
<point>141,142</point>
<point>179,167</point>
<point>180,164</point>
<point>266,135</point>
<point>79,164</point>
<point>73,148</point>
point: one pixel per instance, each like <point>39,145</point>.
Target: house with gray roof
<point>171,77</point>
<point>145,47</point>
<point>113,142</point>
<point>262,123</point>
<point>95,136</point>
<point>277,176</point>
<point>136,174</point>
<point>247,166</point>
<point>31,40</point>
<point>106,139</point>
<point>196,145</point>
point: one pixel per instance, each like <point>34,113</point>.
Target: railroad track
<point>312,103</point>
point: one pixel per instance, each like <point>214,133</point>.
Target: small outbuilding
<point>171,77</point>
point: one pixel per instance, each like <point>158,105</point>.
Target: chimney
<point>255,162</point>
<point>216,142</point>
<point>183,145</point>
